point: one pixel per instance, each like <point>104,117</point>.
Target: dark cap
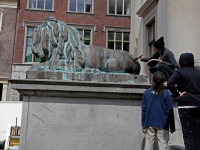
<point>159,44</point>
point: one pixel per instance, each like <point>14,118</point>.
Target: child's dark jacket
<point>157,110</point>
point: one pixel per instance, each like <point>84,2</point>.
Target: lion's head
<point>55,40</point>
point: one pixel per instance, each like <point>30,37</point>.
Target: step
<point>176,147</point>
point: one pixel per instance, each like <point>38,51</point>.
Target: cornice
<point>146,7</point>
<point>4,80</point>
<point>9,3</point>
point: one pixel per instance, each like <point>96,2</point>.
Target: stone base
<point>86,76</point>
<point>64,115</point>
<point>55,123</point>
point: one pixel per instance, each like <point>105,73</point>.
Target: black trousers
<point>190,122</point>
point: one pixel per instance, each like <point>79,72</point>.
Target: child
<point>157,113</point>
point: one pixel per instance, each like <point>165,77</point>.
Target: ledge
<point>23,64</point>
<point>51,11</point>
<point>117,27</point>
<point>13,4</point>
<point>85,26</point>
<point>79,89</point>
<point>77,83</point>
<point>112,15</point>
<point>13,102</point>
<point>32,22</point>
<point>4,80</point>
<point>80,13</point>
<point>146,7</point>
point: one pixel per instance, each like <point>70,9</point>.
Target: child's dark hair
<point>157,82</point>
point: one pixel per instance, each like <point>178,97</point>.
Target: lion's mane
<point>54,40</point>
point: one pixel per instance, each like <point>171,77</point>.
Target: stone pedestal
<point>86,76</point>
<point>61,115</point>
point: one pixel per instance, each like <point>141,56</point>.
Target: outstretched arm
<point>145,59</point>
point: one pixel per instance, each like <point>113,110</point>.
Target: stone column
<point>4,81</point>
<point>4,91</point>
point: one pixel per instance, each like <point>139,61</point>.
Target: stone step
<point>175,147</point>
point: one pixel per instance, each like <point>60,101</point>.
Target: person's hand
<point>159,61</point>
<point>144,130</point>
<point>181,94</point>
<point>139,57</point>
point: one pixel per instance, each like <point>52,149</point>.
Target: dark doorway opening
<point>1,91</point>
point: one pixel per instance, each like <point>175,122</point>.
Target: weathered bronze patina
<point>59,47</point>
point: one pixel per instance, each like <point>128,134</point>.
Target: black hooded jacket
<point>187,80</point>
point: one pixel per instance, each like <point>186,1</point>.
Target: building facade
<point>176,20</point>
<point>8,19</point>
<point>105,23</point>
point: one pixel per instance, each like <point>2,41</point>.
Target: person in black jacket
<point>165,59</point>
<point>187,92</point>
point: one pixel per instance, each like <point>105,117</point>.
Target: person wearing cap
<point>165,58</point>
<point>185,85</point>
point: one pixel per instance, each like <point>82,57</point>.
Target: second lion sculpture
<point>59,47</point>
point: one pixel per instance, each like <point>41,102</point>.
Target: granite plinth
<point>86,76</point>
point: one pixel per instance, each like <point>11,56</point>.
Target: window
<point>119,7</point>
<point>151,36</point>
<point>29,57</point>
<point>118,40</point>
<point>1,14</point>
<point>84,6</point>
<point>85,35</point>
<point>41,4</point>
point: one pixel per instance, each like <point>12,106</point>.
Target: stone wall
<point>183,27</point>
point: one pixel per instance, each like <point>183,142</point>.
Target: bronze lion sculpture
<point>59,47</point>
